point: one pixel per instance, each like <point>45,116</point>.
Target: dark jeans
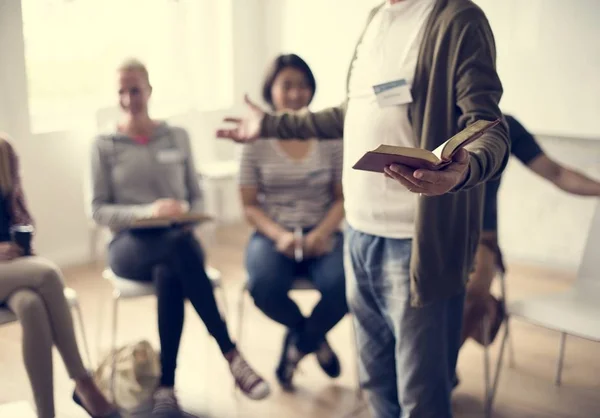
<point>270,277</point>
<point>173,259</point>
<point>407,355</point>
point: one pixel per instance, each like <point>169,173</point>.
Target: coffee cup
<point>21,236</point>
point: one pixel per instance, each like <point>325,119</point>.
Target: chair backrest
<point>589,269</point>
<point>107,118</point>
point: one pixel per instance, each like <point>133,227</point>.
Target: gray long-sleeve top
<point>127,177</point>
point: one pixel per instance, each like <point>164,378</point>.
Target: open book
<point>163,222</point>
<point>416,158</point>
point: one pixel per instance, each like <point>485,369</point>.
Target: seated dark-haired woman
<point>292,195</point>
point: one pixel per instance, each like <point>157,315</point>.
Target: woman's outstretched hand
<point>246,129</point>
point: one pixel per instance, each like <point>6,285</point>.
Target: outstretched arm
<point>326,124</point>
<point>565,178</point>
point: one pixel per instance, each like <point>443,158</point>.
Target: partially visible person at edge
<point>412,234</point>
<point>146,169</point>
<point>33,288</point>
<point>479,302</point>
<point>289,186</point>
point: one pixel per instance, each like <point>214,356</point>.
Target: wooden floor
<point>205,386</point>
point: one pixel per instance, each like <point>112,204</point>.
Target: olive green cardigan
<point>455,84</point>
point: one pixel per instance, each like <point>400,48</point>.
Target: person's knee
<point>265,289</point>
<point>46,273</point>
<point>179,240</point>
<point>265,275</point>
<point>52,278</point>
<point>27,305</point>
<point>333,289</point>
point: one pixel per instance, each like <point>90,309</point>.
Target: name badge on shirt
<point>169,156</point>
<point>393,93</point>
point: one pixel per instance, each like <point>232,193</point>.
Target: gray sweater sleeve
<point>104,211</point>
<point>195,198</point>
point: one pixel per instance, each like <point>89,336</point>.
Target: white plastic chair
<point>487,367</point>
<point>128,289</point>
<point>573,312</point>
<point>7,317</point>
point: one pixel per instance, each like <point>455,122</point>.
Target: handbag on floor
<point>137,373</point>
<point>494,311</point>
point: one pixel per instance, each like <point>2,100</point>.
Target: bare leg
<point>37,347</point>
<point>41,278</point>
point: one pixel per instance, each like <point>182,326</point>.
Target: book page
<point>408,152</point>
<point>450,146</point>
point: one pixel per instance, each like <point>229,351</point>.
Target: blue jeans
<point>407,355</point>
<point>270,277</point>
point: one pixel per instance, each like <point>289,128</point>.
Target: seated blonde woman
<point>146,169</point>
<point>33,289</point>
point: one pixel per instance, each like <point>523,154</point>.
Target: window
<point>72,48</point>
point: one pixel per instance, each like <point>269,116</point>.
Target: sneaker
<point>288,362</point>
<point>249,382</point>
<point>328,360</point>
<point>165,403</point>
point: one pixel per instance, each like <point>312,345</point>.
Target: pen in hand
<point>298,252</point>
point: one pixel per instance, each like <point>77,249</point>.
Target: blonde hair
<point>133,64</point>
<point>6,175</point>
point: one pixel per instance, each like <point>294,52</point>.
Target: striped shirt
<point>293,193</point>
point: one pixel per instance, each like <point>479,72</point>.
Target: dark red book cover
<point>417,158</point>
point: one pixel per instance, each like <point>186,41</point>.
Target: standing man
<point>422,71</point>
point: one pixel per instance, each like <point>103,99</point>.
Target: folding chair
<point>128,289</point>
<point>572,312</point>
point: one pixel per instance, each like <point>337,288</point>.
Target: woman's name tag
<point>169,156</point>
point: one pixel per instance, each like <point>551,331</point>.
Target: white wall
<point>550,50</point>
<point>53,164</point>
<point>538,224</point>
<point>323,33</point>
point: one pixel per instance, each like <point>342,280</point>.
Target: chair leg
<point>86,347</point>
<point>561,356</point>
<point>240,327</point>
<point>485,325</point>
<point>494,386</point>
<point>224,302</point>
<point>511,347</point>
<point>240,321</point>
<point>511,351</point>
<point>354,343</point>
<point>113,343</point>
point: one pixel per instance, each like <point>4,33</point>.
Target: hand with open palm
<point>246,129</point>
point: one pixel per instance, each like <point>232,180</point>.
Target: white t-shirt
<point>389,50</point>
